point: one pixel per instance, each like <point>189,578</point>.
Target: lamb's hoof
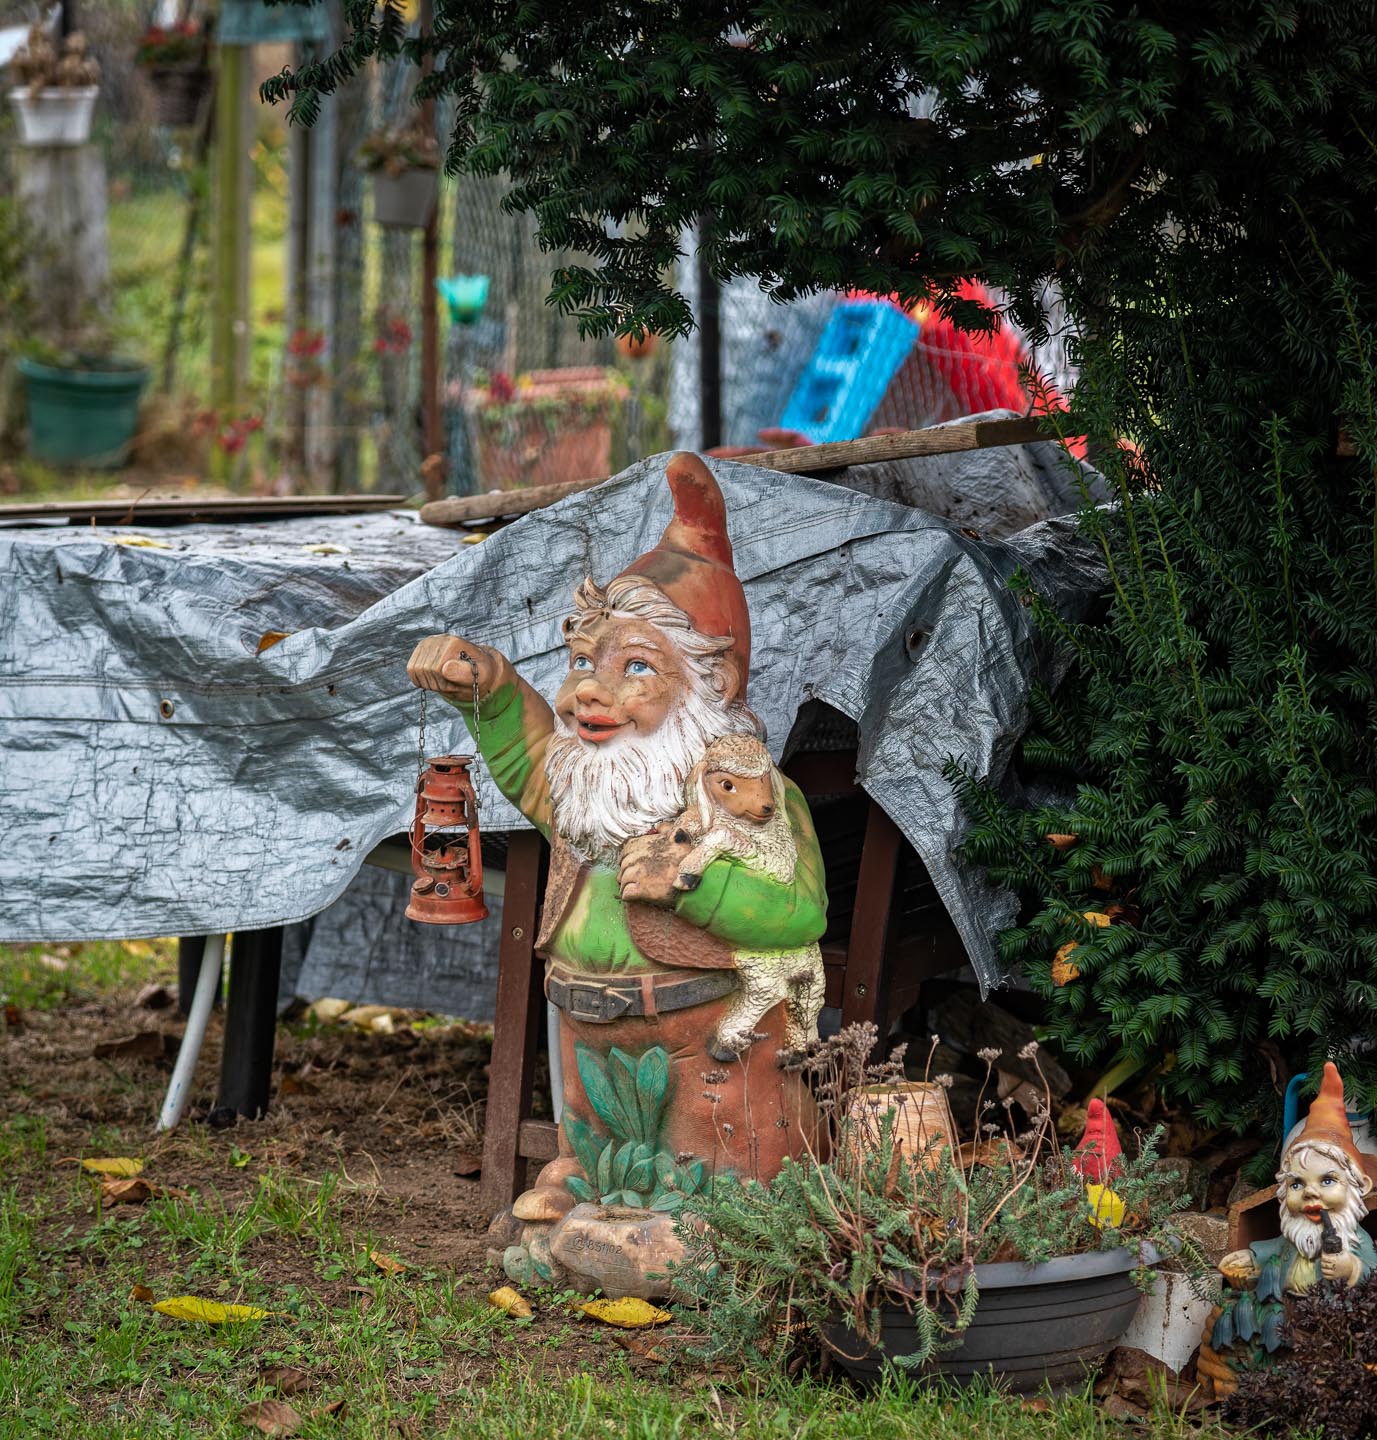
<point>681,837</point>
<point>688,882</point>
<point>722,1053</point>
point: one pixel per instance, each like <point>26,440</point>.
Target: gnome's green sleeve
<point>514,727</point>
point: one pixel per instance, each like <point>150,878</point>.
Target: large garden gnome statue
<point>1322,1188</point>
<point>684,904</point>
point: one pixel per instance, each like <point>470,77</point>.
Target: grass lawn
<point>367,1155</point>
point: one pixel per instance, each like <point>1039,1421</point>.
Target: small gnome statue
<point>1322,1188</point>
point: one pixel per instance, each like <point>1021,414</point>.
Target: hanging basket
<point>55,115</point>
<point>405,201</point>
<point>181,92</point>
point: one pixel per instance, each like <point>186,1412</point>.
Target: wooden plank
<point>801,460</point>
<point>186,507</point>
<point>516,1026</point>
<point>864,995</point>
<point>538,1140</point>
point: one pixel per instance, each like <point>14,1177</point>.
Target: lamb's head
<point>737,776</point>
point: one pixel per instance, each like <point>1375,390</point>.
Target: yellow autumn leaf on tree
<point>1107,1210</point>
<point>211,1312</point>
<point>628,1314</point>
<point>117,1165</point>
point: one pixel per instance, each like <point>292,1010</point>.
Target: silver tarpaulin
<point>163,774</point>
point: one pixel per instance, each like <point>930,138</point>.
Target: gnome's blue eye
<point>1330,1180</point>
<point>639,667</point>
<point>581,662</point>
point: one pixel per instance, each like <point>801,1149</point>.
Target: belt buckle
<point>591,1008</point>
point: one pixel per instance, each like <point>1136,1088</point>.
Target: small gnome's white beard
<point>1306,1236</point>
<point>601,795</point>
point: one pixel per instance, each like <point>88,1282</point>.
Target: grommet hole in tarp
<point>166,709</point>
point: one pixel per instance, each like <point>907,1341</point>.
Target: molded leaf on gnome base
<point>211,1312</point>
<point>627,1314</point>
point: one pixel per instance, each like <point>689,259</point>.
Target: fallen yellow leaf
<point>627,1314</point>
<point>1096,917</point>
<point>1107,1210</point>
<point>386,1263</point>
<point>476,538</point>
<point>118,1165</point>
<point>269,638</point>
<point>142,542</point>
<point>512,1301</point>
<point>211,1312</point>
<point>1064,969</point>
<point>325,548</point>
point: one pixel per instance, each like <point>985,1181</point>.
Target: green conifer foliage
<point>1200,178</point>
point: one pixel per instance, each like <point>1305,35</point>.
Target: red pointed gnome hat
<point>1328,1118</point>
<point>1097,1155</point>
<point>692,563</point>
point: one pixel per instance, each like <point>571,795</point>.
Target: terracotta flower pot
<point>922,1119</point>
<point>557,427</point>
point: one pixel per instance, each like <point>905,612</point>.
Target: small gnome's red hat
<point>1327,1121</point>
<point>1097,1154</point>
<point>692,563</point>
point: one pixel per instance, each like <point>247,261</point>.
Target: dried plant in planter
<point>1325,1377</point>
<point>38,65</point>
<point>867,1221</point>
<point>397,148</point>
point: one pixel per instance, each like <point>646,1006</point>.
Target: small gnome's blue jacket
<point>1297,1273</point>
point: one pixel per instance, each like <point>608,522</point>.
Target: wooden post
<point>867,974</point>
<point>61,192</point>
<point>709,349</point>
<point>520,1003</point>
<point>432,408</point>
<point>229,247</point>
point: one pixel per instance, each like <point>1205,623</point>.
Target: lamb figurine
<point>734,806</point>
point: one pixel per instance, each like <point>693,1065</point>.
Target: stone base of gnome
<point>741,1118</point>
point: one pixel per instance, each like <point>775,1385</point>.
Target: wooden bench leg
<point>516,1026</point>
<point>246,1068</point>
<point>865,990</point>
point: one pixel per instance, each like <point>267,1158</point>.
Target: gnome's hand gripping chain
<point>735,806</point>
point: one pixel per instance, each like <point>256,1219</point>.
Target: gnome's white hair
<point>603,795</point>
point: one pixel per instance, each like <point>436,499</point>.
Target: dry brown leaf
<point>125,1192</point>
<point>141,1294</point>
<point>512,1302</point>
<point>285,1379</point>
<point>272,1417</point>
<point>641,1346</point>
<point>145,1045</point>
<point>335,1408</point>
<point>1064,969</point>
<point>1061,842</point>
<point>295,1085</point>
<point>467,1165</point>
<point>388,1264</point>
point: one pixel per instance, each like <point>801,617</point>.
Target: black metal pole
<point>67,21</point>
<point>709,349</point>
<point>246,1067</point>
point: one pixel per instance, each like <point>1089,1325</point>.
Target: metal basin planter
<point>84,414</point>
<point>54,115</point>
<point>405,201</point>
<point>1035,1324</point>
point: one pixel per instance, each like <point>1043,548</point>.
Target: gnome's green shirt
<point>743,907</point>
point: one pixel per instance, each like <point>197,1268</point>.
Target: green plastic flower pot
<point>84,414</point>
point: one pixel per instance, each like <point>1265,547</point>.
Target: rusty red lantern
<point>445,856</point>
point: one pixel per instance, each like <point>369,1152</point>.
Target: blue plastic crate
<point>859,353</point>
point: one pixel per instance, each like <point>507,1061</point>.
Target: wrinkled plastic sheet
<point>163,775</point>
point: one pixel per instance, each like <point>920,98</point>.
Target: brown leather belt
<point>600,1001</point>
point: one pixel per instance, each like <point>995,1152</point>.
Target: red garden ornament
<point>445,856</point>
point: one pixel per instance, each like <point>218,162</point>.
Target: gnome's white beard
<point>1306,1236</point>
<point>602,795</point>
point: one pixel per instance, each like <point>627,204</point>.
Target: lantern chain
<point>421,728</point>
